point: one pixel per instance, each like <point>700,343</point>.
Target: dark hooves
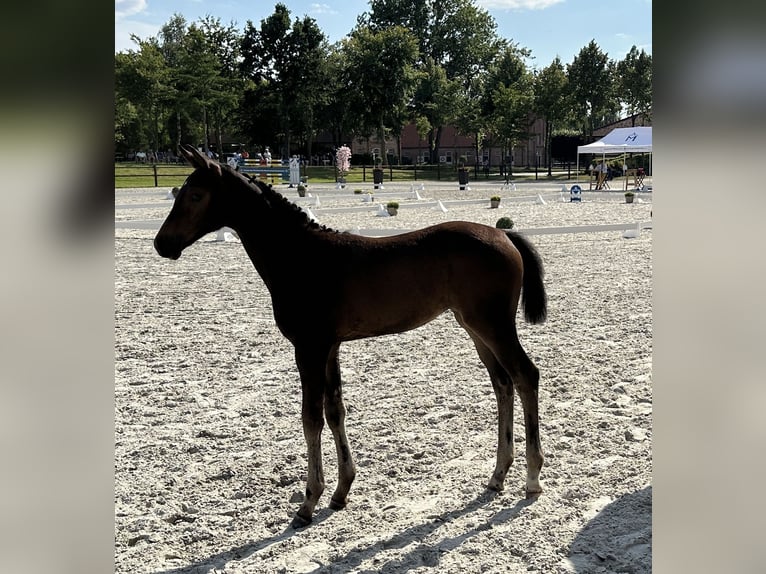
<point>300,522</point>
<point>336,505</point>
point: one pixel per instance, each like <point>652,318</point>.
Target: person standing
<point>601,171</point>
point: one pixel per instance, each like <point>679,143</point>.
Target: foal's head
<point>197,209</point>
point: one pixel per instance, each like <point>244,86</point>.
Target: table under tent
<point>621,141</point>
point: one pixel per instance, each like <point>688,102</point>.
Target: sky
<point>548,28</point>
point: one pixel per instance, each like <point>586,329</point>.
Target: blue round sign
<point>575,188</point>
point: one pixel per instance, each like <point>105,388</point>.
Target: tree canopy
<point>429,63</point>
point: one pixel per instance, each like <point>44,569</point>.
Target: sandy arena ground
<point>210,458</point>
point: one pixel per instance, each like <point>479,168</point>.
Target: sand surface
<point>210,459</point>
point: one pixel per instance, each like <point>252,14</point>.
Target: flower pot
<point>494,203</point>
<point>628,199</point>
<point>392,210</point>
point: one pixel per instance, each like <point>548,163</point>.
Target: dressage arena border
<point>420,203</point>
<point>154,224</point>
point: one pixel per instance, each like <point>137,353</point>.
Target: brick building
<point>453,146</point>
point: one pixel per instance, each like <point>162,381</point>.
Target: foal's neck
<point>273,230</point>
<point>258,210</point>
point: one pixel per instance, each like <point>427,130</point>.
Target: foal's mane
<point>278,202</point>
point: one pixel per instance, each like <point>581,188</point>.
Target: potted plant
<point>494,201</point>
<point>301,190</point>
<point>629,196</point>
<point>392,207</point>
<point>504,223</point>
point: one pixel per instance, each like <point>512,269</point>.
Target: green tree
<point>199,80</point>
<point>306,80</point>
<point>382,65</point>
<point>635,82</point>
<point>290,62</point>
<point>551,101</point>
<point>334,113</point>
<point>508,101</point>
<point>458,37</point>
<point>592,85</point>
<point>223,42</point>
<point>144,92</point>
<point>436,102</point>
<point>261,107</point>
<point>464,41</point>
<point>125,121</point>
<point>171,40</point>
<point>186,74</point>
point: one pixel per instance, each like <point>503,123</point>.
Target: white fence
<point>629,229</point>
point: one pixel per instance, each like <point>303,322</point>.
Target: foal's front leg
<point>311,366</point>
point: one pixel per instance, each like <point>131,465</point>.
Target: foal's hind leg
<point>503,387</point>
<point>501,352</point>
<point>312,367</point>
<point>526,379</point>
<point>335,413</point>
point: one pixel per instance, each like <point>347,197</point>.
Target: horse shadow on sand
<point>423,554</point>
<point>617,539</point>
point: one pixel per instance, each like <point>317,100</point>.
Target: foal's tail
<point>533,298</point>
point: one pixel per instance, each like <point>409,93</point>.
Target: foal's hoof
<point>300,522</point>
<point>533,494</point>
<point>495,485</point>
<point>338,504</point>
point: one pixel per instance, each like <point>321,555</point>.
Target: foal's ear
<point>198,159</point>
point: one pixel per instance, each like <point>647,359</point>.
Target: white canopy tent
<point>619,141</point>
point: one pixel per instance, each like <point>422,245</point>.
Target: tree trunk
<point>205,127</point>
<point>178,132</point>
<point>476,149</point>
<point>156,132</point>
<point>509,154</point>
<point>382,140</point>
<point>219,137</point>
<point>548,158</point>
<point>437,142</point>
<point>432,146</point>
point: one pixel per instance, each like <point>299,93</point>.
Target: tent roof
<point>619,140</point>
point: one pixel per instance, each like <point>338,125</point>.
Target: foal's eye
<point>195,196</point>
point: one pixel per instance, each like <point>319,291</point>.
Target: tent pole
<point>577,173</point>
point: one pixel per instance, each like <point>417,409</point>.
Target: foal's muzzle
<point>166,247</point>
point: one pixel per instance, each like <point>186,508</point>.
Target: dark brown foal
<point>479,272</point>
